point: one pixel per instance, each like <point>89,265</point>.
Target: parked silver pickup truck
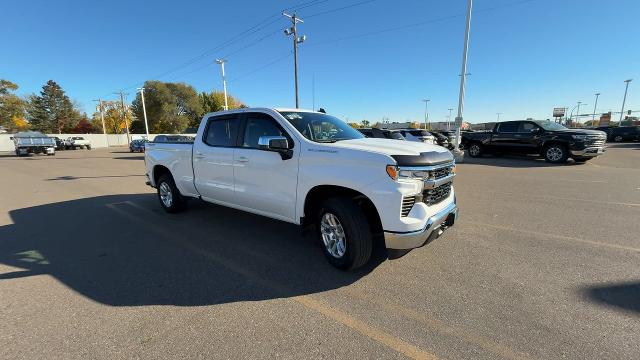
<point>33,142</point>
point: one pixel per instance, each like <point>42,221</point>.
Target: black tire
<point>357,234</point>
<point>555,153</point>
<point>475,149</point>
<point>88,147</point>
<point>177,202</point>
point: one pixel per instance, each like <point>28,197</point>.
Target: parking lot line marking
<point>561,237</point>
<point>369,331</point>
<point>439,326</point>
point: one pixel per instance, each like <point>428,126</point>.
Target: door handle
<point>198,155</point>
<point>242,159</point>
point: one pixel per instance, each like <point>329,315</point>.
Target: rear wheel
<point>475,150</point>
<point>556,153</point>
<point>170,198</point>
<point>344,233</point>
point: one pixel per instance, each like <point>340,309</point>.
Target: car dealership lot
<point>543,263</point>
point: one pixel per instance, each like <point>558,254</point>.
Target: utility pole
<point>293,30</point>
<point>449,119</point>
<point>578,113</point>
<point>224,82</point>
<point>624,100</point>
<point>313,92</point>
<point>144,111</point>
<point>463,78</point>
<point>426,112</point>
<point>104,128</point>
<point>593,117</point>
<point>124,114</point>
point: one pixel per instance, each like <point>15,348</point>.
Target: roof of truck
<point>248,109</point>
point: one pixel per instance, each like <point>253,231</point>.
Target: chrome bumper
<point>590,151</point>
<point>435,226</point>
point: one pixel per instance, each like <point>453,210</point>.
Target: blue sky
<point>374,60</point>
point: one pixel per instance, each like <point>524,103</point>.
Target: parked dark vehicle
<point>442,140</point>
<point>549,139</point>
<point>59,143</point>
<point>621,133</point>
<point>137,145</point>
<point>382,133</point>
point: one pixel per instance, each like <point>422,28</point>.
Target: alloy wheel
<point>333,235</point>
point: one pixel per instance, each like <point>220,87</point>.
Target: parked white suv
<point>311,169</point>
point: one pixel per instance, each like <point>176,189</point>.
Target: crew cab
<point>313,170</point>
<point>77,142</point>
<point>549,139</point>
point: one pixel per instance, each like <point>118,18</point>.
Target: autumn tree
<point>214,101</point>
<point>84,126</point>
<point>52,110</point>
<point>12,107</point>
<point>171,107</point>
<point>113,120</point>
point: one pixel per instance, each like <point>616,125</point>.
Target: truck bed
<point>178,157</point>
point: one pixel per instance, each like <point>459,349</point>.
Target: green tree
<point>365,123</point>
<point>12,108</point>
<point>52,110</point>
<point>214,101</point>
<point>171,107</point>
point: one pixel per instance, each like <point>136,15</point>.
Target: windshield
<point>550,125</point>
<point>321,127</point>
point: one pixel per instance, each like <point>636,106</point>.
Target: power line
<point>340,8</point>
<point>262,67</point>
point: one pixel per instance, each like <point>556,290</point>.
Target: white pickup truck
<point>313,170</point>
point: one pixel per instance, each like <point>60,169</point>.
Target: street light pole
<point>578,113</point>
<point>426,112</point>
<point>144,112</point>
<point>593,118</point>
<point>624,100</point>
<point>463,77</point>
<point>449,119</point>
<point>296,40</point>
<point>224,82</point>
<point>498,116</point>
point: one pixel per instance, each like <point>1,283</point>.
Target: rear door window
<point>221,131</point>
<point>508,127</point>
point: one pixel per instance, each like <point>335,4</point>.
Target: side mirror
<point>535,130</point>
<point>11,138</point>
<point>278,144</point>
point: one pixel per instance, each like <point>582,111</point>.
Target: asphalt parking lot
<point>543,263</point>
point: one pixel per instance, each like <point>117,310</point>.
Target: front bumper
<point>434,227</point>
<point>589,151</point>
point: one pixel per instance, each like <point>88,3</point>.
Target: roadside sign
<point>558,112</point>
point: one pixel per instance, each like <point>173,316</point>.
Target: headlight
<point>579,137</point>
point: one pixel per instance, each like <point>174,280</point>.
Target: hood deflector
<point>424,159</point>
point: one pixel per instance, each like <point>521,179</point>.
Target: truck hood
<point>406,153</point>
<point>580,132</point>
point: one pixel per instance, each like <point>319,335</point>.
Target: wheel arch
<point>317,194</point>
<point>158,171</point>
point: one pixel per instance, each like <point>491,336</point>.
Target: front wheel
<point>170,198</point>
<point>474,150</point>
<point>344,233</point>
<point>556,154</point>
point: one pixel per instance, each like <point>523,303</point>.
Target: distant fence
<point>97,140</point>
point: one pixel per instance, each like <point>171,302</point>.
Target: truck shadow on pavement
<point>621,295</point>
<point>123,250</point>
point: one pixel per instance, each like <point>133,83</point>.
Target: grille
<point>407,204</point>
<point>595,141</point>
<point>439,173</point>
<point>435,195</point>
